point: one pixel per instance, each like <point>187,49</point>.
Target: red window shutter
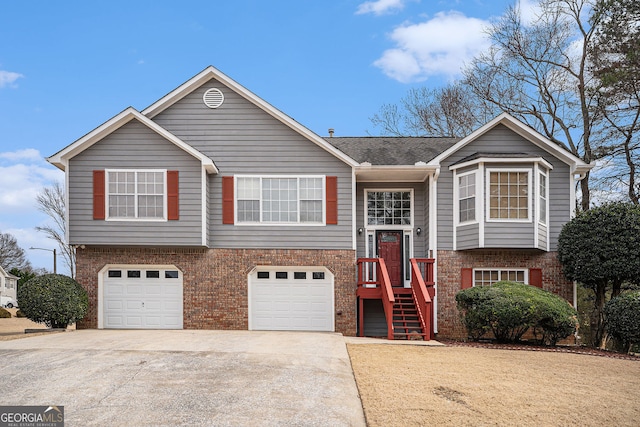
<point>535,277</point>
<point>332,199</point>
<point>98,195</point>
<point>466,278</point>
<point>227,200</point>
<point>173,205</point>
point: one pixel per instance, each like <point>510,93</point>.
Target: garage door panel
<point>143,302</point>
<point>301,303</point>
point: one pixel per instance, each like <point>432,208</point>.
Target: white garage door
<point>291,299</point>
<point>142,298</point>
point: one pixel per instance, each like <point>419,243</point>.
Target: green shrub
<point>509,309</point>
<point>622,315</point>
<point>4,314</point>
<point>555,318</point>
<point>19,313</point>
<point>474,306</point>
<point>53,299</point>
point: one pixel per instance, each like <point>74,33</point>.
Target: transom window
<point>509,195</point>
<point>489,277</point>
<point>280,199</point>
<point>133,194</point>
<point>467,197</point>
<point>388,207</point>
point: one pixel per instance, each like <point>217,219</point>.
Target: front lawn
<point>404,385</point>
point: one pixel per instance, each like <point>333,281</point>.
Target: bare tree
<point>615,65</point>
<point>51,201</point>
<point>12,255</point>
<point>537,72</point>
<point>450,111</point>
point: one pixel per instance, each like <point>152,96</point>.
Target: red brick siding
<point>451,263</point>
<point>215,280</point>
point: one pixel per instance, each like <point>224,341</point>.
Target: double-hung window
<point>467,197</point>
<point>280,200</point>
<point>542,197</point>
<point>509,195</point>
<point>136,194</point>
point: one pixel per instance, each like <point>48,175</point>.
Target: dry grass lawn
<point>13,328</point>
<point>403,385</point>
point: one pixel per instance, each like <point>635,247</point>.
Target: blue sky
<point>68,66</point>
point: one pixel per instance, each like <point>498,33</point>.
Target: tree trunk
<point>586,194</point>
<point>597,317</point>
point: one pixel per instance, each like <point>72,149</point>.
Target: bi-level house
<point>212,209</point>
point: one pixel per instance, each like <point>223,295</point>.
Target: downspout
<point>433,239</point>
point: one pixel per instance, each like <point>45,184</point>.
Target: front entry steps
<point>406,323</point>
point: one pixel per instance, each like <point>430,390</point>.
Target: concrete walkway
<point>187,377</point>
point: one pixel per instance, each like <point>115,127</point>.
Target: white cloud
<point>380,7</point>
<point>23,174</point>
<point>7,78</point>
<point>529,11</point>
<point>26,154</point>
<point>439,46</point>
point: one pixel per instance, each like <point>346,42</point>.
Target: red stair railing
<point>372,273</point>
<point>423,290</point>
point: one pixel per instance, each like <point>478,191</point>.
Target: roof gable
<point>213,73</point>
<point>577,164</point>
<point>61,158</point>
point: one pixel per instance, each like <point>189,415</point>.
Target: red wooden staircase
<point>408,311</point>
<point>406,321</point>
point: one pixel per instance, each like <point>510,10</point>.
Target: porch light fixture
<point>418,231</point>
<point>360,230</point>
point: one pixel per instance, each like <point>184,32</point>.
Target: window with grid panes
<point>508,195</point>
<point>389,208</point>
<point>136,194</point>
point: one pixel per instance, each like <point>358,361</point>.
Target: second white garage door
<point>291,299</point>
<point>137,297</point>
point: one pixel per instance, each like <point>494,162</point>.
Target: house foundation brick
<point>451,263</point>
<point>215,284</point>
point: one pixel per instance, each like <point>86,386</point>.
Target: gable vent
<point>213,98</point>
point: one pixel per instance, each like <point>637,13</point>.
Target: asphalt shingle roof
<point>391,151</point>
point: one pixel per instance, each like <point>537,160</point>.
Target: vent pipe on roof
<point>331,130</point>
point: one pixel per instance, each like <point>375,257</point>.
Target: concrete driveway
<point>187,377</point>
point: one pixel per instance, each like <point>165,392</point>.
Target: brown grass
<point>463,386</point>
<point>13,328</point>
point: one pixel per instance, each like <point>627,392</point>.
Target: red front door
<point>390,249</point>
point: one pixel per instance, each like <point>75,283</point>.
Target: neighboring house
<point>211,209</point>
<point>8,284</point>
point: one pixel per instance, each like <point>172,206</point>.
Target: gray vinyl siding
<point>242,139</point>
<point>542,237</point>
<point>420,202</point>
<point>505,234</point>
<point>467,236</point>
<point>375,322</point>
<point>134,146</point>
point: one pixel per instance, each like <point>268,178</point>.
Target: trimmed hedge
<point>510,309</point>
<point>53,299</point>
<point>4,314</point>
<point>622,315</point>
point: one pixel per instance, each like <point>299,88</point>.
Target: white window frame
<point>500,271</point>
<point>297,223</point>
<point>530,193</point>
<point>389,226</point>
<point>136,217</point>
<point>543,217</point>
<point>456,192</point>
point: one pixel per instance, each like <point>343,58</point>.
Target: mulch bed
<point>532,347</point>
